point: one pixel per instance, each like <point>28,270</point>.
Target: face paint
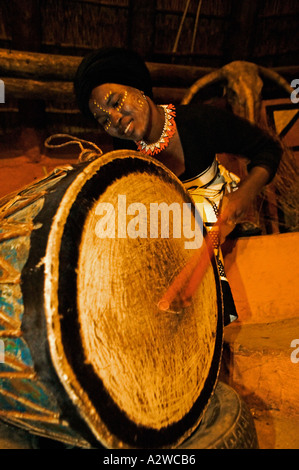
<point>140,103</point>
<point>101,108</point>
<point>106,97</point>
<point>106,111</point>
<point>122,102</point>
<point>123,111</point>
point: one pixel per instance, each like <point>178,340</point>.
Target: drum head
<point>138,376</point>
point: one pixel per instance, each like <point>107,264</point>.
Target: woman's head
<point>110,66</point>
<point>123,111</point>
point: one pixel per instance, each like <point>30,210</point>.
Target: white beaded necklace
<point>168,131</point>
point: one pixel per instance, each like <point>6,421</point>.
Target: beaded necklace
<point>168,132</point>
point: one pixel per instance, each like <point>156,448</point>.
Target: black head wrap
<point>110,65</point>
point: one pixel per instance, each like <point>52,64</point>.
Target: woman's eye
<point>116,104</point>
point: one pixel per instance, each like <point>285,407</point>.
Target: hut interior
<point>182,41</point>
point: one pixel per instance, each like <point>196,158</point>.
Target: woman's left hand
<point>235,205</point>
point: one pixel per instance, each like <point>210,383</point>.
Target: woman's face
<point>123,111</point>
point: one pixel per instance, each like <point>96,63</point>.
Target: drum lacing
<point>85,155</point>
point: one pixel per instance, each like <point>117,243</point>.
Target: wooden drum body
<point>90,359</point>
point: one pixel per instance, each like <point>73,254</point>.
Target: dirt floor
<point>274,431</point>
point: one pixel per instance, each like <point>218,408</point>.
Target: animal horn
<point>275,77</point>
<point>208,79</point>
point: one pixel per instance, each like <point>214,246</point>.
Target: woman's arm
<point>207,130</point>
<point>220,131</point>
<point>239,201</point>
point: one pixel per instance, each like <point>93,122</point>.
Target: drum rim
<point>63,368</point>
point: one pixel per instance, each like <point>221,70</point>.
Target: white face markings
<point>119,103</point>
<point>122,111</point>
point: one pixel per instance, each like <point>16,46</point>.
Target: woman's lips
<point>128,130</point>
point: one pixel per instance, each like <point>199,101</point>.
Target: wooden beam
<point>56,67</point>
<point>176,75</point>
<point>22,88</point>
<point>42,66</point>
<point>48,76</point>
<point>27,89</point>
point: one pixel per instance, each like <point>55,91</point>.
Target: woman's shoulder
<point>192,108</point>
<point>199,111</point>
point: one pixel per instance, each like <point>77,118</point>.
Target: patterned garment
<point>207,190</point>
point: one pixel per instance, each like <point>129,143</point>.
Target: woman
<point>113,86</point>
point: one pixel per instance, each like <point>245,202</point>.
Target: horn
<point>275,77</point>
<point>208,79</point>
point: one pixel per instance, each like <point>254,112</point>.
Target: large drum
<point>89,357</point>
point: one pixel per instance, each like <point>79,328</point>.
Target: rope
<point>85,154</point>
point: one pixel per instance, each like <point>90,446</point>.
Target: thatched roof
<point>213,32</point>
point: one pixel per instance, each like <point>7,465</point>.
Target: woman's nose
<point>115,117</point>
